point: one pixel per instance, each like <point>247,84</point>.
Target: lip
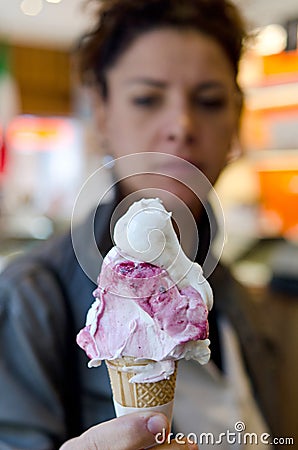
<point>179,168</point>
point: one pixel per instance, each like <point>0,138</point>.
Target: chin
<point>174,194</point>
<point>176,198</point>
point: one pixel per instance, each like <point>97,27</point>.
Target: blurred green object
<point>4,58</point>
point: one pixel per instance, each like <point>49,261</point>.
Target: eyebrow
<point>147,81</point>
<point>163,84</point>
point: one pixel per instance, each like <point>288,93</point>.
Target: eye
<point>210,103</point>
<point>146,101</point>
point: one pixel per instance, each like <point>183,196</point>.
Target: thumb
<point>130,432</point>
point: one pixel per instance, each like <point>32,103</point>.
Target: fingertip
<point>142,429</point>
<point>157,423</point>
<point>193,446</point>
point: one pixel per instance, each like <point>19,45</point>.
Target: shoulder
<point>29,260</point>
<point>29,283</point>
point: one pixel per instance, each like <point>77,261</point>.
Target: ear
<point>236,150</point>
<point>239,103</point>
<point>100,114</point>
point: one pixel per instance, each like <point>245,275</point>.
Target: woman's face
<point>171,92</point>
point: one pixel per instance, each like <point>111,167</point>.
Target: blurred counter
<point>277,315</point>
<point>269,269</point>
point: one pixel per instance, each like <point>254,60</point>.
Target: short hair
<point>120,22</point>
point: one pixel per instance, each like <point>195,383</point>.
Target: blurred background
<point>48,148</point>
<point>48,145</point>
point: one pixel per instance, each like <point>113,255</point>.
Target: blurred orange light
<point>30,133</point>
<point>278,179</point>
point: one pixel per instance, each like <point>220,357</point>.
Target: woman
<point>164,74</point>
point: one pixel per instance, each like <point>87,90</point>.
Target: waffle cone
<point>139,395</point>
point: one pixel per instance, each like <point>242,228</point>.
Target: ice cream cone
<point>129,396</point>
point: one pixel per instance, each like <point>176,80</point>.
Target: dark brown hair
<point>120,22</point>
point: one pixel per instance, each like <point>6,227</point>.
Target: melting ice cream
<point>151,302</point>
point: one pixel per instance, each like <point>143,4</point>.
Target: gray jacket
<point>47,393</point>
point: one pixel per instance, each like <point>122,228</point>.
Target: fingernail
<point>157,423</point>
<point>192,446</point>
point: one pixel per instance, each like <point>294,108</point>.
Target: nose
<point>180,128</point>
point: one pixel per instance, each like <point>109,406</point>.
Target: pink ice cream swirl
<point>140,312</point>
